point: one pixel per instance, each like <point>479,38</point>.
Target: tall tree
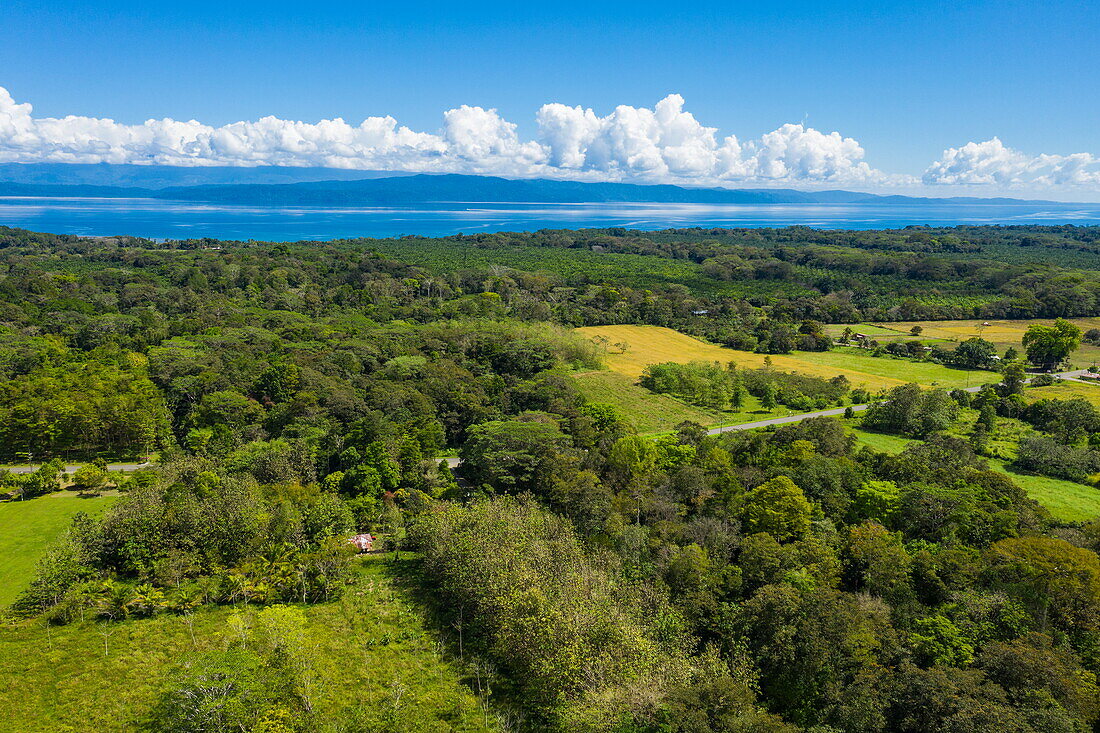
<point>1049,346</point>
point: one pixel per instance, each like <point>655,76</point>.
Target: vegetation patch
<point>1002,333</point>
<point>28,528</point>
<point>1067,389</point>
<point>372,664</point>
<point>882,442</point>
<point>1066,500</point>
<point>647,411</point>
<point>584,577</point>
<point>645,345</point>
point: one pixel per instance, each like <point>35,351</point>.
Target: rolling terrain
<point>654,344</point>
<point>376,664</point>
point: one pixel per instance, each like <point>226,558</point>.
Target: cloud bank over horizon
<point>665,144</point>
<point>993,163</point>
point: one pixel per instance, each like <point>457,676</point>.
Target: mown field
<point>378,667</point>
<point>653,345</point>
<point>1002,333</point>
<point>27,528</point>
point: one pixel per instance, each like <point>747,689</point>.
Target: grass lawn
<point>27,528</point>
<point>653,344</point>
<point>378,667</point>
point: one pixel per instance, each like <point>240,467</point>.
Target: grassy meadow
<point>881,441</point>
<point>27,528</point>
<point>378,666</point>
<point>653,344</point>
<point>648,411</point>
<point>1066,390</point>
<point>1065,500</point>
<point>657,413</point>
<point>1002,333</point>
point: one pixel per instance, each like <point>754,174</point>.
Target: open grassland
<point>1002,333</point>
<point>377,666</point>
<point>652,345</point>
<point>649,412</point>
<point>27,528</point>
<point>867,329</point>
<point>657,413</point>
<point>1065,390</point>
<point>1065,500</point>
<point>893,369</point>
<point>881,441</point>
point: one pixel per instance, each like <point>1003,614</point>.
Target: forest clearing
<point>647,345</point>
<point>28,527</point>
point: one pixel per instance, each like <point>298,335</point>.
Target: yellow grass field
<point>653,344</point>
<point>1002,333</point>
<point>1066,390</point>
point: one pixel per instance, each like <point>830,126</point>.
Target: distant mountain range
<point>274,186</point>
<point>163,176</point>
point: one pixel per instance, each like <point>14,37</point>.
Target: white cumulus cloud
<point>669,143</point>
<point>993,163</point>
<point>662,144</point>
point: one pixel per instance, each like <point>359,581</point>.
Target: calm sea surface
<point>178,220</point>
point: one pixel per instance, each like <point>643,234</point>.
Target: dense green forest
<point>587,578</point>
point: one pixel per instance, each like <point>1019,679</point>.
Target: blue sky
<point>904,81</point>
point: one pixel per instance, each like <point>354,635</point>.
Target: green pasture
<point>28,527</point>
<point>925,373</point>
<point>881,441</point>
<point>650,412</point>
<point>1065,500</point>
<point>378,666</point>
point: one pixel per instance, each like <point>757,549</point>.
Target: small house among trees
<point>363,542</point>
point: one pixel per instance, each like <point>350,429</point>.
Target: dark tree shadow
<point>463,645</point>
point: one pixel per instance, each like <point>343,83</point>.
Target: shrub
<point>1048,457</point>
<point>910,410</point>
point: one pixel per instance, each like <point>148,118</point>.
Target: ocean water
<point>160,219</point>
